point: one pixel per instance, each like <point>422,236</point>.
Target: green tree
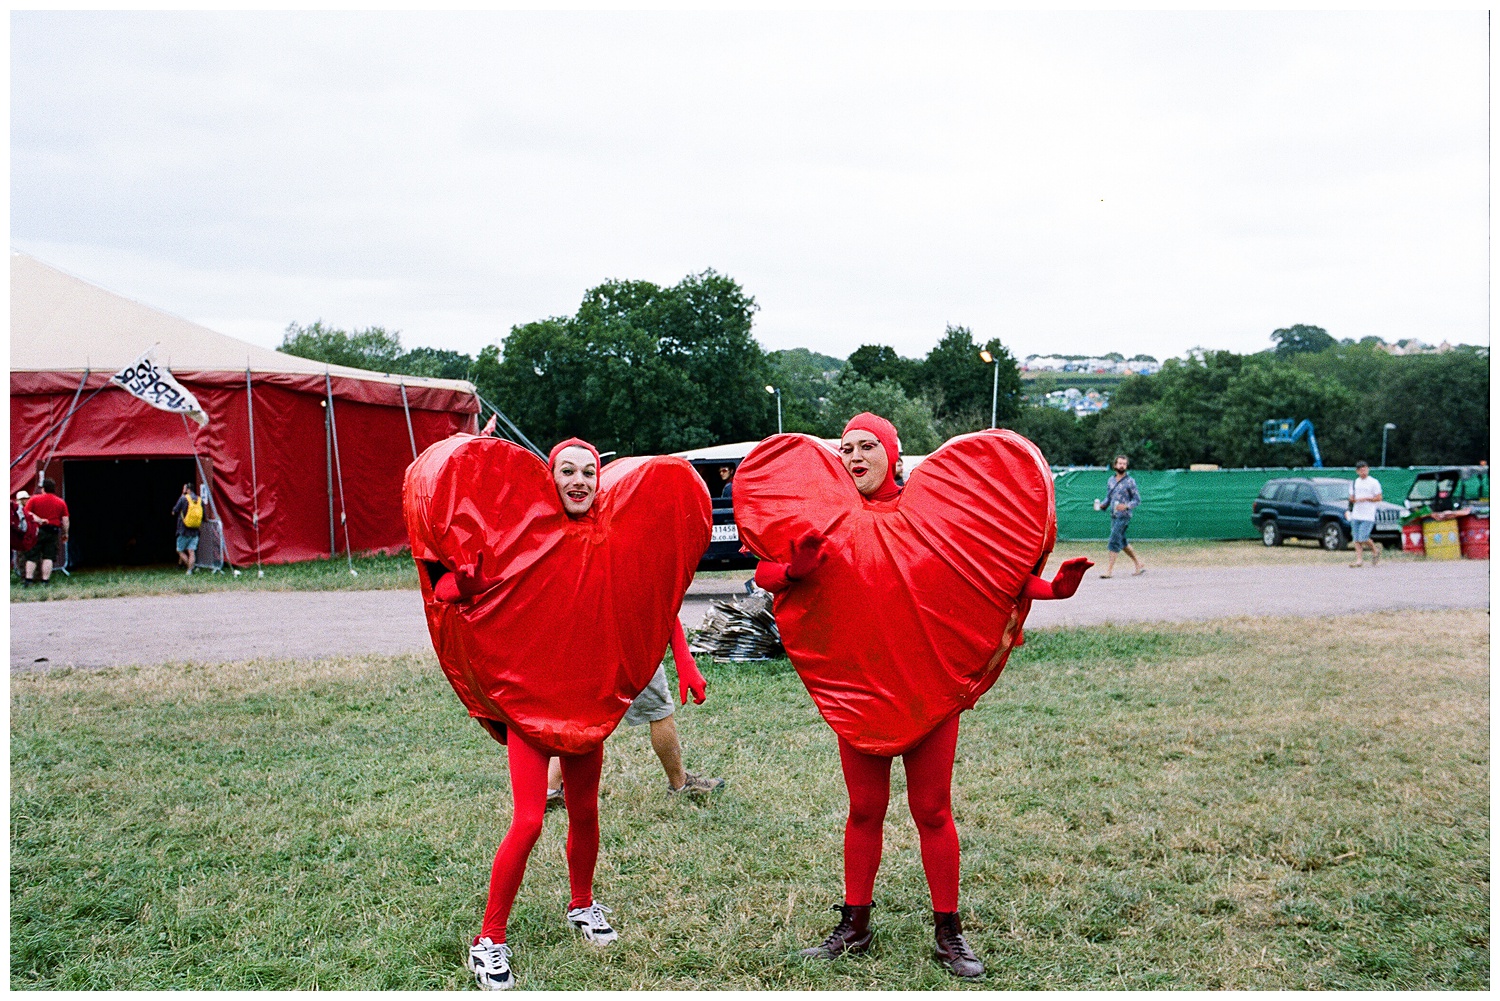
<point>874,363</point>
<point>1301,338</point>
<point>1136,390</point>
<point>1440,406</point>
<point>435,363</point>
<point>1175,429</point>
<point>372,348</point>
<point>804,381</point>
<point>1135,431</point>
<point>958,382</point>
<point>639,369</point>
<point>1061,436</point>
<point>484,373</point>
<point>1265,390</point>
<point>702,329</point>
<point>604,381</point>
<point>912,417</point>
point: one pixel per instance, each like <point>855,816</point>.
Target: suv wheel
<point>1333,537</point>
<point>1270,532</point>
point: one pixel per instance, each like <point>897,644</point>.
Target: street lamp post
<point>773,389</point>
<point>995,389</point>
<point>1383,435</point>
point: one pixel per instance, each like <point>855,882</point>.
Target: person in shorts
<point>1121,497</point>
<point>49,513</point>
<point>1364,494</point>
<point>187,538</point>
<point>654,706</point>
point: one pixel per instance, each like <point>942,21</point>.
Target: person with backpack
<point>189,512</point>
<point>23,531</point>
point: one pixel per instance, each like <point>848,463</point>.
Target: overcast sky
<point>1071,183</point>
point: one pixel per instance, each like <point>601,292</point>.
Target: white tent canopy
<point>59,323</point>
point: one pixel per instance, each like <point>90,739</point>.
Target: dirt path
<point>226,627</point>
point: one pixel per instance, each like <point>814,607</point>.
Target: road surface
<point>228,626</point>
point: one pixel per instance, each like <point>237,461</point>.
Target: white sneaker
<point>591,924</point>
<point>490,963</point>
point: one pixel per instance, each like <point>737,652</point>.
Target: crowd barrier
<point>1192,503</point>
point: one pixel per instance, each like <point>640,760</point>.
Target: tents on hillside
<point>320,475</point>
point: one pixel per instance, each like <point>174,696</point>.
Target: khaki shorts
<point>654,703</point>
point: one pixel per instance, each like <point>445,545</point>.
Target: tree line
<point>642,368</point>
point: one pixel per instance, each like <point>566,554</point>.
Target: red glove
<point>772,576</point>
<point>689,678</point>
<point>808,553</point>
<point>462,584</point>
<point>1062,586</point>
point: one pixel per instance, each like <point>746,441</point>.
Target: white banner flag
<point>148,381</point>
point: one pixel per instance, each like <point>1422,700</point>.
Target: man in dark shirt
<point>1121,497</point>
<point>49,513</point>
<point>187,538</point>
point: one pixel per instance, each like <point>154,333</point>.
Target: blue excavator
<point>1281,431</point>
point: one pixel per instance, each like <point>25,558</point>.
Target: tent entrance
<point>120,510</point>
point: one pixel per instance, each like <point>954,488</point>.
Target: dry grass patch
<point>1256,803</point>
<point>1234,553</point>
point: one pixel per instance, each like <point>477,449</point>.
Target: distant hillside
<point>802,358</point>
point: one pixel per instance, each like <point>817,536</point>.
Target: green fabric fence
<point>1191,504</point>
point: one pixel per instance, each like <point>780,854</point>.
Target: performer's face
<point>577,478</point>
<point>865,459</point>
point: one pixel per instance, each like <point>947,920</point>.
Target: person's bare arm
<point>65,528</point>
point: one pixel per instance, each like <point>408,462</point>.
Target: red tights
<point>528,787</point>
<point>929,778</point>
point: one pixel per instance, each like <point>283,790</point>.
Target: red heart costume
<point>614,577</point>
<point>921,598</point>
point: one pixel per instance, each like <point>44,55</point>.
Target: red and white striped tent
<point>301,459</point>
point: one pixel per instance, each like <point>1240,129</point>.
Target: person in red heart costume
<point>898,607</point>
<point>510,560</point>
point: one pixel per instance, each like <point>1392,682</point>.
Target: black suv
<point>1316,508</point>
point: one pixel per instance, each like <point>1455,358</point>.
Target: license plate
<point>726,533</point>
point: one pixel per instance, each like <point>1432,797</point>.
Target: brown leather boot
<point>952,951</point>
<point>851,936</point>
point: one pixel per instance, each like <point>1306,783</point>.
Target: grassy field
<point>374,573</point>
<point>1248,804</point>
<point>383,572</point>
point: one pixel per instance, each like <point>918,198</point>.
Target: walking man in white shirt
<point>1364,494</point>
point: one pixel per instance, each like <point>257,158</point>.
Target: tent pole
<point>333,432</point>
<point>521,438</point>
<point>72,406</point>
<point>328,461</point>
<point>409,433</point>
<point>254,480</point>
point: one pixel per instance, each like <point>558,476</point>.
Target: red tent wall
<point>290,449</point>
